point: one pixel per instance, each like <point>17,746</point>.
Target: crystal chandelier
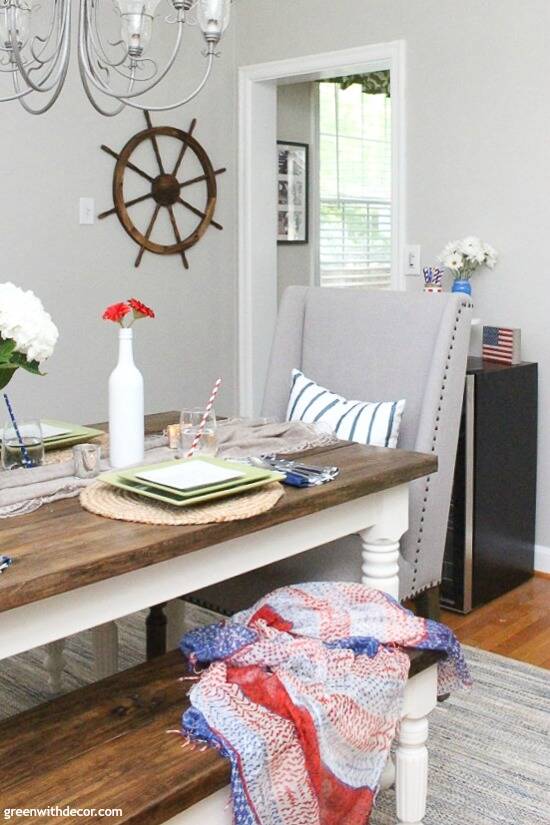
<point>114,39</point>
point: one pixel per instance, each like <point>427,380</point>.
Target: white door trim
<point>257,209</point>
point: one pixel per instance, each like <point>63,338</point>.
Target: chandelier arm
<point>55,95</point>
<point>105,112</point>
<point>25,92</point>
<point>82,34</point>
<point>182,102</point>
<point>46,40</point>
<point>128,76</point>
<point>8,67</point>
<point>84,75</point>
<point>58,69</point>
<point>60,65</point>
<point>93,31</point>
<point>17,96</point>
<point>102,87</point>
<point>95,104</point>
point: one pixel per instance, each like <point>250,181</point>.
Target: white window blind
<point>355,187</point>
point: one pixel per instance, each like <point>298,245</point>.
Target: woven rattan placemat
<point>66,453</point>
<point>104,500</point>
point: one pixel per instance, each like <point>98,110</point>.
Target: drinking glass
<point>22,445</point>
<point>87,460</point>
<point>190,421</point>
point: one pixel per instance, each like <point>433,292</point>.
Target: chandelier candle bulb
<point>213,16</point>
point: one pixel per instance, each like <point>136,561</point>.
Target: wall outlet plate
<point>86,210</point>
<point>412,259</point>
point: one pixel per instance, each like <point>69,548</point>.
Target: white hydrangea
<point>24,320</point>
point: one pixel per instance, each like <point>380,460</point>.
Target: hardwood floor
<point>516,625</point>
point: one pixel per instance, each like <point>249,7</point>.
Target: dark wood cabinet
<point>491,533</point>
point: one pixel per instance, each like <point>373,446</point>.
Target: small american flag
<point>502,344</point>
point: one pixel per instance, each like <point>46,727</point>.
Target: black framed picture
<point>292,182</point>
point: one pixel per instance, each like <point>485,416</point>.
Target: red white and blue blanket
<point>303,693</point>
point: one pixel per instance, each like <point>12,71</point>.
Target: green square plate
<point>179,499</point>
<point>248,475</point>
<point>76,435</point>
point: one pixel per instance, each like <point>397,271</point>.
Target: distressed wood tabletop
<point>62,547</point>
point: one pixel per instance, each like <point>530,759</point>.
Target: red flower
<point>140,309</point>
<point>116,312</point>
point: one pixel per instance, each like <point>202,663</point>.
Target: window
<point>355,187</point>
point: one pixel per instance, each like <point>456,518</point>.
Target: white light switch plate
<point>87,210</point>
<point>412,259</point>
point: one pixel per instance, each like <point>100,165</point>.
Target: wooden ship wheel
<point>165,190</point>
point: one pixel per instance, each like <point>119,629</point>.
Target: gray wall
<point>46,164</point>
<point>296,122</point>
<point>478,116</point>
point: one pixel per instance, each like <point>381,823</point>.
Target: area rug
<point>489,747</point>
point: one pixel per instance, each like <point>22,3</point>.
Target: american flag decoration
<point>502,344</point>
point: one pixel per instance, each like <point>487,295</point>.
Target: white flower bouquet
<point>27,332</point>
<point>462,258</point>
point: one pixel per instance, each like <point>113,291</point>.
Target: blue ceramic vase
<point>462,286</point>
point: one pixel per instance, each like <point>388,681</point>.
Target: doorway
<point>258,191</point>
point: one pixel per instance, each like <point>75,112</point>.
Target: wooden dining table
<point>73,570</point>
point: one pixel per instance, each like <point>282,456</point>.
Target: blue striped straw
<point>27,461</point>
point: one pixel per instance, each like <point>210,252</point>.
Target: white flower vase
<point>126,414</point>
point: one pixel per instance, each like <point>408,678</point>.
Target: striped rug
<point>489,748</point>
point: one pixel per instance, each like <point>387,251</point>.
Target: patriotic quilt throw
<point>302,694</point>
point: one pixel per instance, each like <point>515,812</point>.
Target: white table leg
<point>105,644</point>
<point>54,663</point>
<point>411,781</point>
<point>381,542</point>
<point>412,771</point>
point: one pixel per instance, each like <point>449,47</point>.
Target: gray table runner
<point>23,491</point>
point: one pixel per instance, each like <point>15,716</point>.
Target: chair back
<point>374,345</point>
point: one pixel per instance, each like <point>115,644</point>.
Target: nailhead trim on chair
<point>464,305</point>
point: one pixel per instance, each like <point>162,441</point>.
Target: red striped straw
<point>202,425</point>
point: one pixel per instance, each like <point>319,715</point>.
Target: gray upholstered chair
<point>373,346</point>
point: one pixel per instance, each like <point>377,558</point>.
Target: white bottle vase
<point>126,421</point>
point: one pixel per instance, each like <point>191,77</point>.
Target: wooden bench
<point>106,746</point>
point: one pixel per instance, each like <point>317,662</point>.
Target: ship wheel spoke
<point>183,149</point>
<point>148,233</point>
<point>154,141</point>
<point>198,212</point>
<point>177,235</point>
<point>131,166</point>
<point>201,178</point>
<point>126,204</point>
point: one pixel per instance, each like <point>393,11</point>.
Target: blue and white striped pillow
<point>366,422</point>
